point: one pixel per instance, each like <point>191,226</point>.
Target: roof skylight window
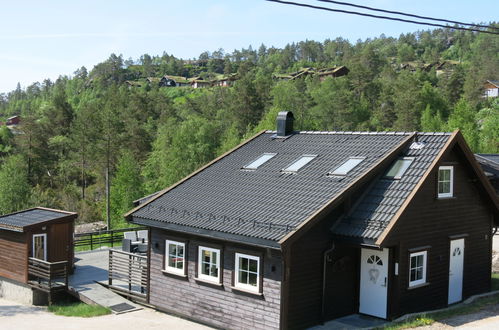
<point>299,163</point>
<point>347,166</point>
<point>259,161</point>
<point>399,168</point>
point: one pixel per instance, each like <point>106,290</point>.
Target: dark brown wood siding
<point>13,255</point>
<point>60,242</point>
<point>306,277</point>
<point>219,306</point>
<point>431,222</point>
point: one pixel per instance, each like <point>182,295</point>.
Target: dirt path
<point>22,317</point>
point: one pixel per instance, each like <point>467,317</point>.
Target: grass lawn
<point>427,319</point>
<point>78,309</point>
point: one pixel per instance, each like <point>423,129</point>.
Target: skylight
<point>398,169</point>
<point>347,166</point>
<point>299,163</point>
<point>259,161</point>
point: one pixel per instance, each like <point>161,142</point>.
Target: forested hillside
<point>77,129</point>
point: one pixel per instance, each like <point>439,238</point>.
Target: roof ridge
<point>366,133</point>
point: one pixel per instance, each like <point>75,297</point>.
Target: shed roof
<point>263,206</point>
<point>20,220</point>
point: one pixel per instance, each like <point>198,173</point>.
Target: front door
<point>373,282</point>
<point>456,270</point>
<point>40,246</point>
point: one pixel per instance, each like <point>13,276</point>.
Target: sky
<point>46,39</point>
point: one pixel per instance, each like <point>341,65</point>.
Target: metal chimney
<point>285,123</point>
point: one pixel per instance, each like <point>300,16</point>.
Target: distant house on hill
<point>133,83</point>
<point>226,81</point>
<point>321,73</point>
<point>12,121</point>
<point>491,88</point>
<point>198,82</point>
<point>290,229</point>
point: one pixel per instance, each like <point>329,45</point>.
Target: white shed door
<point>373,282</point>
<point>456,270</point>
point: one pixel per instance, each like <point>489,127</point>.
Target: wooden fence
<point>128,274</point>
<point>48,276</point>
<point>101,238</point>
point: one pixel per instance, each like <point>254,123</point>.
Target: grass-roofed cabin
<point>290,229</point>
<point>34,244</point>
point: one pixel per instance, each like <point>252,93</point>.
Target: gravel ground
<point>21,317</point>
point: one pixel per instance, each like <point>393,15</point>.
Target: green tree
<point>14,186</point>
<point>126,187</point>
<point>463,118</point>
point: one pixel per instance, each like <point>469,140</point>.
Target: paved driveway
<point>21,317</point>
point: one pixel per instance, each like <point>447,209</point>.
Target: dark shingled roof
<point>264,205</point>
<point>371,216</point>
<point>19,220</point>
<point>489,163</point>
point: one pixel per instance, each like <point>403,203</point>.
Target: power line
<point>407,14</point>
<point>380,17</point>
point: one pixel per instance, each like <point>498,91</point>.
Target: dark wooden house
<point>33,243</point>
<point>290,229</point>
<point>490,165</point>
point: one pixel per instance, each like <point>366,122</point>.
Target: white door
<point>373,282</point>
<point>40,246</point>
<point>456,270</point>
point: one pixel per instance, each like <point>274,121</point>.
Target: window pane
<point>413,262</point>
<point>205,268</point>
<point>180,250</point>
<point>347,166</point>
<point>214,271</point>
<point>413,275</point>
<point>398,169</point>
<point>171,261</point>
<point>259,162</point>
<point>173,249</point>
<point>180,264</point>
<point>419,261</point>
<point>299,163</point>
<point>253,265</point>
<point>206,256</point>
<point>243,277</point>
<point>243,262</point>
<point>252,279</point>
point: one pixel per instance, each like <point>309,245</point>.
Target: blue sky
<point>45,39</point>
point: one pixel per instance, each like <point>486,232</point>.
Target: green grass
<point>427,319</point>
<point>78,309</point>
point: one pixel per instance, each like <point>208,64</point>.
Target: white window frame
<point>44,245</point>
<point>425,261</point>
<point>291,167</point>
<point>451,181</point>
<point>215,279</point>
<point>245,286</point>
<point>267,155</point>
<point>168,268</point>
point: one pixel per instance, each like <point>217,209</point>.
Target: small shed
<point>32,243</point>
<point>491,88</point>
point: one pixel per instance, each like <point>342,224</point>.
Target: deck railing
<point>98,239</point>
<point>128,274</point>
<point>47,276</point>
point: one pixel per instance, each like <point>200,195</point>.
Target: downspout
<point>324,275</point>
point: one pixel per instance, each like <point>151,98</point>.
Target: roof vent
<point>285,123</point>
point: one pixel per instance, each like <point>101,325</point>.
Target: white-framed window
<point>39,247</point>
<point>247,275</point>
<point>399,168</point>
<point>299,163</point>
<point>175,257</point>
<point>417,268</point>
<point>347,166</point>
<point>445,181</point>
<point>259,161</point>
<point>209,264</point>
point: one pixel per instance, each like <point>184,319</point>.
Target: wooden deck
<point>92,269</point>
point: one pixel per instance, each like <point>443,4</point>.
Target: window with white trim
<point>247,275</point>
<point>209,264</point>
<point>259,161</point>
<point>417,268</point>
<point>175,257</point>
<point>399,168</point>
<point>445,181</point>
<point>299,163</point>
<point>347,166</point>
